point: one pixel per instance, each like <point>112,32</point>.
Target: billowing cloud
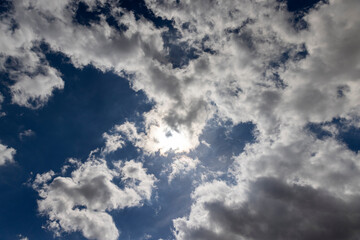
<point>305,160</point>
<point>34,79</point>
<point>248,62</point>
<point>137,53</point>
<point>297,187</point>
<point>6,154</point>
<point>286,158</point>
<point>272,210</point>
<point>82,201</point>
<point>100,45</point>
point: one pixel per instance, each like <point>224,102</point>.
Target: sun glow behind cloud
<point>159,138</point>
<point>168,139</point>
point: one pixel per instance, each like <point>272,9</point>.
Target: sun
<point>167,139</point>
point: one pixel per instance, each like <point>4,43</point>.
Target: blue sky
<point>179,120</point>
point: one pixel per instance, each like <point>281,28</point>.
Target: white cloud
<point>71,162</point>
<point>34,79</point>
<point>82,202</point>
<point>34,92</point>
<point>100,45</point>
<point>6,154</point>
<point>239,73</point>
<point>182,165</point>
<point>302,159</point>
<point>158,136</point>
<point>113,142</point>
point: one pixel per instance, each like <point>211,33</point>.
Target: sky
<point>185,120</point>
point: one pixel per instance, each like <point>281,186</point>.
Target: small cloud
<point>2,114</point>
<point>182,164</point>
<point>82,202</point>
<point>72,162</point>
<point>6,154</point>
<point>113,143</point>
<point>146,237</point>
<point>21,237</point>
<point>205,143</point>
<point>26,133</point>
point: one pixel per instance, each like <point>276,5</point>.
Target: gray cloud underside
<point>275,210</point>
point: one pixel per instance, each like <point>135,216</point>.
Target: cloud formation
<point>273,209</point>
<point>281,100</point>
<point>82,201</point>
<point>26,133</point>
<point>251,64</point>
<point>6,154</point>
<point>182,165</point>
<point>34,80</point>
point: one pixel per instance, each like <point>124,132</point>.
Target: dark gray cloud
<point>276,210</point>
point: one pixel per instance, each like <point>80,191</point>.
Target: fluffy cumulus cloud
<point>303,160</point>
<point>268,209</point>
<point>6,154</point>
<point>31,22</point>
<point>298,189</point>
<point>136,52</point>
<point>82,201</point>
<point>34,80</point>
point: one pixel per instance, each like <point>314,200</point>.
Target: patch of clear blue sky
<point>347,133</point>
